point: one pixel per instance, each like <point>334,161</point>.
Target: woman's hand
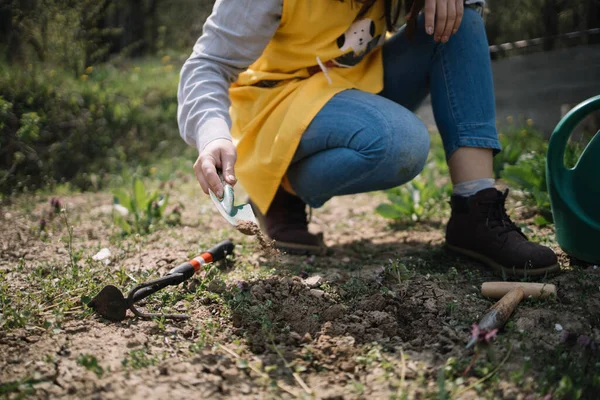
<point>442,17</point>
<point>219,154</point>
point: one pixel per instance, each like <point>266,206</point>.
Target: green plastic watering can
<point>575,193</point>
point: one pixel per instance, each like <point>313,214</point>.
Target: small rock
<point>245,388</point>
<point>307,338</point>
<point>313,281</point>
<point>317,292</point>
<point>133,343</point>
<point>230,373</point>
<point>346,259</point>
<point>103,255</point>
<point>64,351</point>
<point>217,286</point>
<point>127,334</point>
<point>295,336</point>
<point>348,366</point>
<point>558,327</point>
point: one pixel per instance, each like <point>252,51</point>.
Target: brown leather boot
<point>286,223</point>
<point>480,228</point>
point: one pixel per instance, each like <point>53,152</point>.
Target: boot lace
<point>496,216</point>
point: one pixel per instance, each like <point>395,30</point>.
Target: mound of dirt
<point>289,311</point>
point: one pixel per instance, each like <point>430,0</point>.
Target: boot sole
<point>500,269</point>
<point>300,250</point>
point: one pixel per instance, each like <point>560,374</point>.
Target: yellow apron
<point>274,101</point>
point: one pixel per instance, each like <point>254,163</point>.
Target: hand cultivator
<point>112,304</point>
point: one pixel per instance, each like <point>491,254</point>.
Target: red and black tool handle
<point>216,253</point>
<point>182,272</point>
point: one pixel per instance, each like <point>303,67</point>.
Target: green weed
<point>139,358</point>
<point>396,271</point>
<point>23,388</point>
<point>526,170</point>
<point>529,175</point>
<point>514,138</point>
<point>138,212</point>
<point>419,199</point>
<point>90,363</point>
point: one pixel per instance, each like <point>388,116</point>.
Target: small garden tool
<point>233,214</point>
<point>510,295</point>
<point>112,304</point>
<point>575,193</point>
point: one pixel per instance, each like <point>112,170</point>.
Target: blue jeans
<point>361,142</point>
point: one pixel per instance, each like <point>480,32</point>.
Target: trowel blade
<point>110,303</point>
<point>238,214</point>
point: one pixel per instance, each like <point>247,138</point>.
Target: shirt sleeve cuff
<point>212,129</point>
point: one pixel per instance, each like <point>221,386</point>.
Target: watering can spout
<point>575,193</point>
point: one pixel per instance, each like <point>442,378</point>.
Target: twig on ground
<point>60,303</point>
<point>402,372</point>
<point>63,294</point>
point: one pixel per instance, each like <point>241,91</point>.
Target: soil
<point>267,246</point>
<point>348,325</point>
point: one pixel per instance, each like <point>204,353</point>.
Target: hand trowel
<point>233,214</point>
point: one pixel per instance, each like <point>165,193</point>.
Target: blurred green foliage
<point>75,104</point>
<point>56,128</point>
<point>513,20</point>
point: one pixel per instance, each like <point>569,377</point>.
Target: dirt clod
<point>266,245</point>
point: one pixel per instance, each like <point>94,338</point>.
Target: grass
<point>90,363</point>
<point>140,359</point>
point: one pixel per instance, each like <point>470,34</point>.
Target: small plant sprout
<point>139,212</point>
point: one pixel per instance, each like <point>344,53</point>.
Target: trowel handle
<point>228,197</point>
<point>221,250</point>
<point>214,254</point>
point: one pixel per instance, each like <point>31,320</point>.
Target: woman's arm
<point>234,36</point>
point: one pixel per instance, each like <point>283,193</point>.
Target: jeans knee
<point>411,153</point>
<point>373,140</point>
<point>420,150</point>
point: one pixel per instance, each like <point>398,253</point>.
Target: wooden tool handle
<point>498,314</point>
<point>497,290</point>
